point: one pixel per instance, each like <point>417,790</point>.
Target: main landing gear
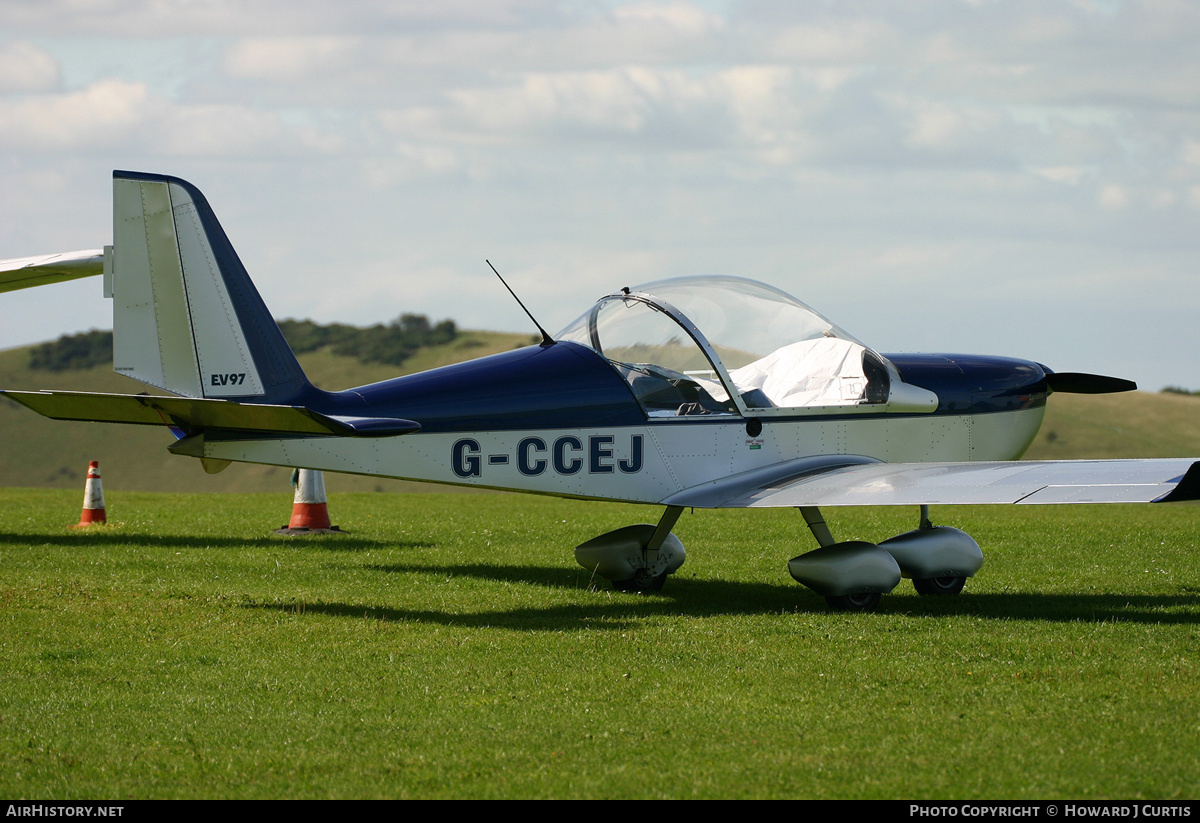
<point>852,575</point>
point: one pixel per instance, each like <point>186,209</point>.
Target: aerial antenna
<point>547,340</point>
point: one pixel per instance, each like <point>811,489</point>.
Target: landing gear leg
<point>925,524</point>
<point>816,525</point>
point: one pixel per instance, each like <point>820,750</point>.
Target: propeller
<point>1079,383</point>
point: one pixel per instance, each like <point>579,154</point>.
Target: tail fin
<point>186,317</point>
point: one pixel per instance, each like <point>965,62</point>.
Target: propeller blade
<point>1080,383</point>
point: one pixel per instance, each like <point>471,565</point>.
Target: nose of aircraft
<point>982,383</point>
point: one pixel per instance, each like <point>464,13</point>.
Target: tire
<point>939,586</point>
<point>865,602</point>
<point>641,584</point>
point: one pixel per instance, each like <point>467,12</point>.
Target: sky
<point>977,176</point>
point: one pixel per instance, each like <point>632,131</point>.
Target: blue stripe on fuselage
<point>563,385</point>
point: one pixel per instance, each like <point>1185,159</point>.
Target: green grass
<point>449,646</point>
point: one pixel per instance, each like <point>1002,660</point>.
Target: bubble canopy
<point>728,345</point>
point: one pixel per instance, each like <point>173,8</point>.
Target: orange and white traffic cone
<point>93,499</point>
<point>310,512</point>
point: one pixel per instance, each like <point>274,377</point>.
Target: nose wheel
<point>635,558</point>
<point>643,581</point>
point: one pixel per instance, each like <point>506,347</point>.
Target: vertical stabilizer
<point>186,317</point>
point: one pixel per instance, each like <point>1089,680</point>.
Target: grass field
<point>450,647</point>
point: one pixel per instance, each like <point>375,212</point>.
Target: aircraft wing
<point>24,272</point>
<point>859,481</point>
<point>192,413</point>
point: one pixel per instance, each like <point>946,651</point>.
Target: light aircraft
<point>699,392</point>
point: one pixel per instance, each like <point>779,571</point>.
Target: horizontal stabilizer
<point>193,414</point>
<point>26,272</point>
<point>1069,382</point>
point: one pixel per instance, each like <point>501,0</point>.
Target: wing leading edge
<point>860,481</point>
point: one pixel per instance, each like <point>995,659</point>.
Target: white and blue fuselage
<point>561,420</point>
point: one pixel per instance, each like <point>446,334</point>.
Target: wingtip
<point>1187,487</point>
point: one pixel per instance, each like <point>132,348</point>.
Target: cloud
<point>114,114</point>
<point>102,114</point>
<point>874,157</point>
<point>26,67</point>
<point>472,51</point>
<point>235,18</point>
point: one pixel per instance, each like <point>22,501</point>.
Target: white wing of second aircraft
<point>24,272</point>
<point>860,481</point>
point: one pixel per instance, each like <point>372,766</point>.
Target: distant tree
<point>397,341</point>
<point>1179,390</point>
<point>73,351</point>
<point>391,344</point>
<point>305,335</point>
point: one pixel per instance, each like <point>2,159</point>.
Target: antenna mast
<point>547,340</point>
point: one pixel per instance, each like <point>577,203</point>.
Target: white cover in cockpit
<point>827,371</point>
